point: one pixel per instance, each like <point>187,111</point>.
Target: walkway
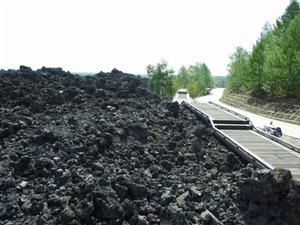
<point>238,134</point>
<point>290,131</point>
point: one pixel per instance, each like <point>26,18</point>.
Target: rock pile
<point>103,150</point>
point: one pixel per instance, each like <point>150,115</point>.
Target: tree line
<point>219,81</point>
<point>196,79</point>
<point>272,68</point>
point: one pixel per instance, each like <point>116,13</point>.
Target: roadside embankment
<point>284,111</point>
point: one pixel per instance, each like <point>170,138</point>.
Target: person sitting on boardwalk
<point>272,129</point>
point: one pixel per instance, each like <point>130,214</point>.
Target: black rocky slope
<point>104,150</point>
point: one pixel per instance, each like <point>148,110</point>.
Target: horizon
<point>94,73</point>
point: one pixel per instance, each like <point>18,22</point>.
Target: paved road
<point>291,132</point>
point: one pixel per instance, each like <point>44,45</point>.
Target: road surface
<point>291,132</point>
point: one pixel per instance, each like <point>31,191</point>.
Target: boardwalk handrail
<point>230,111</point>
<point>278,140</point>
<point>241,150</point>
<point>251,157</point>
<point>272,137</point>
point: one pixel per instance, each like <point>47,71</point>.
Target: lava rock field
<point>104,150</point>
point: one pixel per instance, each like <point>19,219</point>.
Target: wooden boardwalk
<point>215,113</point>
<point>256,147</point>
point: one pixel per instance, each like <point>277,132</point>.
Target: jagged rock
<point>107,209</point>
<point>282,180</point>
<point>25,70</point>
<point>122,191</point>
<point>67,216</point>
<point>55,201</point>
<point>37,107</point>
<point>167,197</point>
<point>181,199</point>
<point>56,99</point>
<point>173,107</point>
<point>46,136</point>
<point>197,149</point>
<point>201,132</point>
<point>8,210</point>
<point>210,218</point>
<point>246,172</point>
<point>32,207</point>
<point>130,208</point>
<point>44,162</point>
<point>7,183</point>
<point>100,93</point>
<point>139,220</point>
<point>148,173</point>
<point>232,161</point>
<point>23,184</point>
<point>84,209</point>
<point>23,166</point>
<point>114,70</point>
<point>41,221</point>
<point>194,194</point>
<point>136,190</point>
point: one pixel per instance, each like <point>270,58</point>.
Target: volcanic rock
<point>197,149</point>
<point>103,149</point>
<point>173,108</point>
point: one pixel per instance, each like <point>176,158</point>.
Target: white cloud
<point>94,35</point>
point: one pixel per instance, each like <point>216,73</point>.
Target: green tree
<point>160,78</point>
<point>219,81</point>
<point>281,65</point>
<point>291,53</point>
<point>208,81</point>
<point>275,82</point>
<point>183,77</point>
<point>238,69</point>
<point>196,85</point>
<point>274,63</point>
<point>256,74</point>
<point>290,13</point>
<point>200,79</point>
<point>196,78</point>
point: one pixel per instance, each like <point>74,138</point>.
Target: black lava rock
<point>173,107</point>
<point>103,149</point>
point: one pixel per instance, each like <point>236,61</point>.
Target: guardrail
<point>278,140</point>
<point>230,111</point>
<point>203,116</point>
<point>238,148</point>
